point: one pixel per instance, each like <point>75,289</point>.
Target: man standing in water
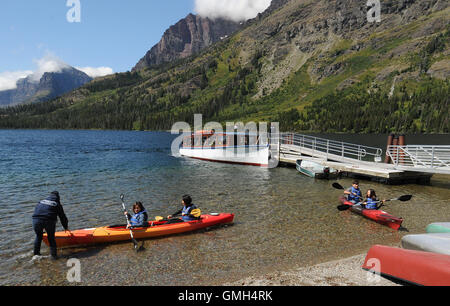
<point>45,217</point>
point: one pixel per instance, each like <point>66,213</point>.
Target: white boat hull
<point>246,155</point>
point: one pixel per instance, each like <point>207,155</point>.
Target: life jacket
<point>371,203</point>
<point>352,197</point>
<point>135,219</point>
<point>186,212</point>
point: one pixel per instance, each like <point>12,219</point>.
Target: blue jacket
<point>371,203</point>
<point>139,219</point>
<point>186,211</point>
<point>49,209</point>
<point>353,198</point>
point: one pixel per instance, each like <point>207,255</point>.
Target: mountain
<point>49,86</point>
<point>312,65</point>
<point>187,37</point>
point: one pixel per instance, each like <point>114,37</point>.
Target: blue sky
<point>111,36</point>
<point>112,33</point>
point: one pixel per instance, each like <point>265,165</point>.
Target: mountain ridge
<point>310,65</point>
<point>49,86</point>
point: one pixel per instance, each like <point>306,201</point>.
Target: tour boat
<point>235,148</point>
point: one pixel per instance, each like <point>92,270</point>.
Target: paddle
<point>135,243</point>
<point>196,213</point>
<point>342,207</point>
<point>402,198</point>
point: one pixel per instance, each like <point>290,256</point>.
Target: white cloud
<point>9,79</point>
<point>96,72</point>
<point>236,10</point>
<point>48,63</point>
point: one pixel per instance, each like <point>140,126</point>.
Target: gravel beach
<point>344,272</point>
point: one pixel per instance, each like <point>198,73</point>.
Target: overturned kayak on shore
<point>435,242</point>
<point>376,215</point>
<point>438,227</point>
<point>414,267</point>
<point>115,233</point>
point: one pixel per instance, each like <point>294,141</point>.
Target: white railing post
<point>432,157</point>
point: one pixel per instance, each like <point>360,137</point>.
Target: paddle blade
<point>405,198</point>
<point>196,213</point>
<point>159,218</point>
<point>343,207</point>
<point>337,186</point>
<point>135,243</point>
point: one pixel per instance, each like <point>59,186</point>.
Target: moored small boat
<point>414,267</point>
<point>376,215</point>
<point>315,170</point>
<point>109,234</point>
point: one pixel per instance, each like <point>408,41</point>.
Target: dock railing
<point>331,148</point>
<point>431,158</point>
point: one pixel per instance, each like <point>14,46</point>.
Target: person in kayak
<point>372,201</point>
<point>44,218</point>
<point>140,217</point>
<point>353,193</point>
<point>185,212</point>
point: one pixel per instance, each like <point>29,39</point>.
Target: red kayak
<point>414,267</point>
<point>376,215</point>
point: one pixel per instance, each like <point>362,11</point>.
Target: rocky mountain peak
<point>50,85</point>
<point>187,37</point>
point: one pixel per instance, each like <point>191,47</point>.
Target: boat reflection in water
<point>229,147</point>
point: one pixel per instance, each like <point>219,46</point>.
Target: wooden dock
<point>350,159</point>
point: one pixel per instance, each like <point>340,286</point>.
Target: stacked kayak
<point>108,234</point>
<point>438,227</point>
<point>415,267</point>
<point>435,242</point>
<point>376,215</point>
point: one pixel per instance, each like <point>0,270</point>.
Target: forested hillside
<point>311,65</point>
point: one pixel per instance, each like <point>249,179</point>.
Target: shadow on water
<point>403,229</point>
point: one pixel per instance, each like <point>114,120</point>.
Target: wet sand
<point>343,272</point>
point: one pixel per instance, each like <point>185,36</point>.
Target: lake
<point>283,219</point>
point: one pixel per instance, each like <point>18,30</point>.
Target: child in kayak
<point>353,193</point>
<point>371,201</point>
<point>185,212</point>
<point>140,217</point>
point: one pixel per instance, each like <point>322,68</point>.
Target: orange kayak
<point>108,234</point>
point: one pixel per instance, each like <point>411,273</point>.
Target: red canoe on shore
<point>414,267</point>
<point>376,215</point>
